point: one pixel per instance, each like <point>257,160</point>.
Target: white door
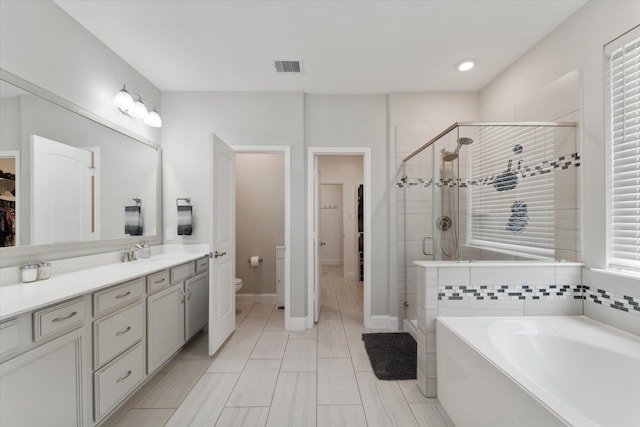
<point>316,239</point>
<point>222,296</point>
<point>331,239</point>
<point>61,193</point>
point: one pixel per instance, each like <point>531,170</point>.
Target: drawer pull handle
<point>123,331</point>
<point>60,319</point>
<point>126,294</point>
<point>159,281</point>
<point>125,376</point>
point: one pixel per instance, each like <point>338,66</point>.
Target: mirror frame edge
<point>18,255</point>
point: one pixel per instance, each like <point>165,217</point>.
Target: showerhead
<point>450,156</point>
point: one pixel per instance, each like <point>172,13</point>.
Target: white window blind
<point>624,176</point>
<point>511,192</point>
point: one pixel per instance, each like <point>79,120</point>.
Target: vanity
<point>74,347</point>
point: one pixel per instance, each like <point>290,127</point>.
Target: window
<point>512,189</point>
<point>622,59</point>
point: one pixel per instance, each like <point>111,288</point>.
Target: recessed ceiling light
<point>466,65</point>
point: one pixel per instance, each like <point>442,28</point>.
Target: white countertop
<point>497,263</point>
<point>16,299</point>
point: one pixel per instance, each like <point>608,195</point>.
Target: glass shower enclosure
<point>485,191</point>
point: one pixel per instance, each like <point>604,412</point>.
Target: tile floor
<point>266,376</point>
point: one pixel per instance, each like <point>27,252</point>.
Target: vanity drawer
<point>117,296</point>
<point>116,380</point>
<point>202,265</point>
<point>183,271</point>
<point>59,318</point>
<point>116,332</point>
<point>157,281</point>
<point>9,337</point>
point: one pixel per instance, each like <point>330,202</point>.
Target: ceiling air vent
<point>288,66</point>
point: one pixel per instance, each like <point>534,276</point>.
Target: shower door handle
<point>424,245</point>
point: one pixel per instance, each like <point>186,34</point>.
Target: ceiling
<point>346,46</point>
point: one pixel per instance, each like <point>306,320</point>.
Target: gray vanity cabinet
<point>197,303</point>
<point>178,311</point>
<point>165,325</point>
<point>47,382</point>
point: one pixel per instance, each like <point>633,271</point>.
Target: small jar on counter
<point>29,273</point>
<point>44,270</point>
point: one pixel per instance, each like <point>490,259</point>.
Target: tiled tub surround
<point>540,371</point>
<point>612,298</point>
<point>489,288</point>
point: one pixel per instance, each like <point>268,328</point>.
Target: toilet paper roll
<point>255,261</point>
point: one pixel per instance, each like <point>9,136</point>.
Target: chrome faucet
<point>130,254</point>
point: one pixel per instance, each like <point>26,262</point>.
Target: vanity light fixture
<point>466,65</point>
<point>133,105</point>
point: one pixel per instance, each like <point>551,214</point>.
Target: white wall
<point>346,170</point>
<point>40,43</point>
<point>359,121</point>
<point>577,43</point>
<point>189,120</point>
<point>259,219</point>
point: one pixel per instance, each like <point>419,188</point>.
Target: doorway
<point>269,281</point>
<point>331,225</point>
<point>332,175</point>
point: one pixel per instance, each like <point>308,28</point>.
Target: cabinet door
<point>197,314</point>
<point>165,325</point>
<point>47,385</point>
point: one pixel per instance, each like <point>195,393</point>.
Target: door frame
<point>312,153</point>
<point>286,152</point>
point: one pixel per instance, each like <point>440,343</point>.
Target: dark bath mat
<point>392,355</point>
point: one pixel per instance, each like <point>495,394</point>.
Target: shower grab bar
<point>458,124</point>
<point>424,245</point>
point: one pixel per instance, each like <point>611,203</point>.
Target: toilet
<point>238,285</point>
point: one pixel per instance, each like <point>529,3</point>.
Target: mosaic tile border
<point>562,162</point>
<point>508,292</point>
<point>625,303</point>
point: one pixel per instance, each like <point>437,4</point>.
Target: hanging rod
<point>505,124</point>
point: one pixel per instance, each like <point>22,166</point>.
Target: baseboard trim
<point>256,299</point>
<point>378,321</point>
<point>394,323</point>
<point>384,321</point>
<point>408,327</point>
<point>297,324</point>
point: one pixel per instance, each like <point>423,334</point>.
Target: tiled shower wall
<point>559,101</point>
<point>489,289</point>
<point>422,195</point>
<point>414,217</point>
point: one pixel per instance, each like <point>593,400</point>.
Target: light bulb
<point>153,119</point>
<point>466,66</point>
<point>123,99</point>
<point>138,110</point>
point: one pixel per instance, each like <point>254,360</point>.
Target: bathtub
<point>537,371</point>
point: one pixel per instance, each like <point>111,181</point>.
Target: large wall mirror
<point>69,178</point>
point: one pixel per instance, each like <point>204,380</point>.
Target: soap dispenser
<point>145,252</point>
